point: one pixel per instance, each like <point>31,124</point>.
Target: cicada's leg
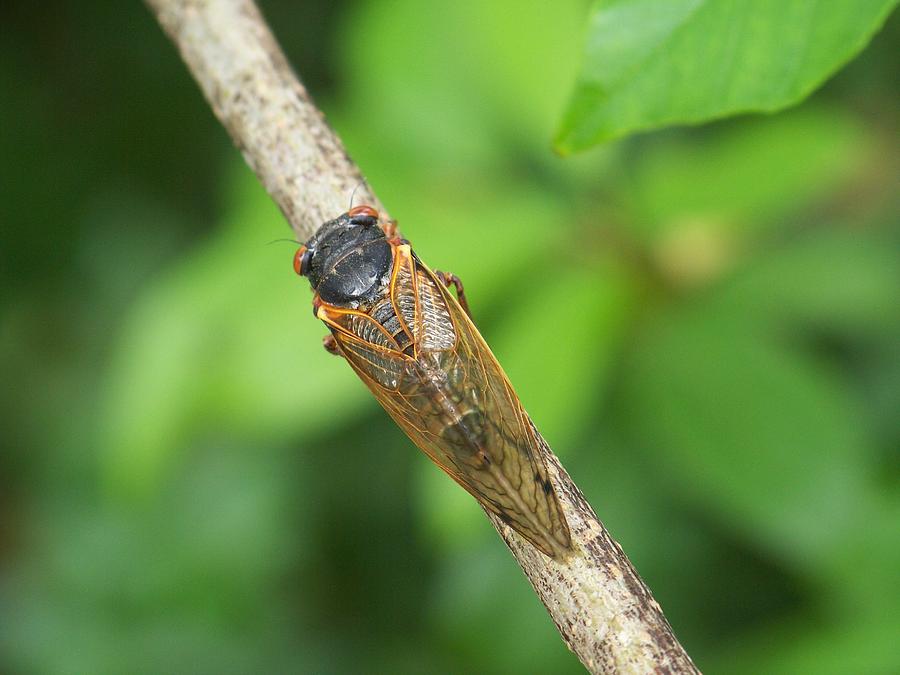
<point>453,280</point>
<point>330,345</point>
<point>390,229</point>
<point>392,234</point>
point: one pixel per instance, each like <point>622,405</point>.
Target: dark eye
<point>301,261</point>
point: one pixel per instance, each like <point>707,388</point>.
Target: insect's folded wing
<point>455,403</point>
<point>513,482</point>
<point>388,375</point>
<point>379,367</point>
<point>419,300</point>
<point>512,444</point>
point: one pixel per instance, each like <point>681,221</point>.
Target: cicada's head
<point>348,259</point>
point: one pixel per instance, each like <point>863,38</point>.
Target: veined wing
<point>528,500</point>
<point>456,404</point>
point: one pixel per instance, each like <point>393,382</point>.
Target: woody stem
<point>602,608</point>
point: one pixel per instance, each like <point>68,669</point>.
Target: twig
<point>602,608</point>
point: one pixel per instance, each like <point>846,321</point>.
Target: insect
<point>415,347</point>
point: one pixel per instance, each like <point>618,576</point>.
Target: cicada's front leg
<point>392,234</point>
<point>330,345</point>
<point>328,341</point>
<point>452,280</point>
<point>390,229</point>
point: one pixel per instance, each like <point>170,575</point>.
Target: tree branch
<point>602,608</point>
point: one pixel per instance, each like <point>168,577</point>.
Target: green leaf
<point>481,589</point>
<point>652,63</point>
<point>763,439</point>
<point>790,647</point>
<point>560,345</point>
<point>180,611</point>
<point>751,175</point>
<point>831,279</point>
<point>223,344</point>
<point>461,78</point>
<point>863,574</point>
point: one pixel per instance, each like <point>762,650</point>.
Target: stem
<point>602,608</point>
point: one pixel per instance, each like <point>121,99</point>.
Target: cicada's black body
<point>347,260</point>
<point>414,346</point>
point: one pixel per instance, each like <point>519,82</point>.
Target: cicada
<point>414,345</point>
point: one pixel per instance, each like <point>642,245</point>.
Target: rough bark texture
<point>246,79</point>
<point>602,608</point>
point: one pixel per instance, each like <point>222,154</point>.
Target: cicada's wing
<point>525,494</point>
<point>453,400</point>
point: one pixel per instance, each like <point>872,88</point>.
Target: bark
<point>602,608</point>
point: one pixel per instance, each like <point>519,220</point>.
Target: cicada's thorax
<point>350,264</point>
<point>348,261</point>
<point>407,313</point>
<point>377,323</point>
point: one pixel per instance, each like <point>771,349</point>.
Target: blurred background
<point>704,322</point>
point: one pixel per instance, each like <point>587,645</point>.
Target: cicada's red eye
<point>301,261</point>
<point>363,210</point>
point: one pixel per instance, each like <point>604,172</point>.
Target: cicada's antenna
<point>353,194</point>
<point>293,241</point>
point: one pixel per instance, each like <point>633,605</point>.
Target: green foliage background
<point>705,323</point>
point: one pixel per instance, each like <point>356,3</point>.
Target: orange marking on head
<point>298,260</point>
<point>363,210</point>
